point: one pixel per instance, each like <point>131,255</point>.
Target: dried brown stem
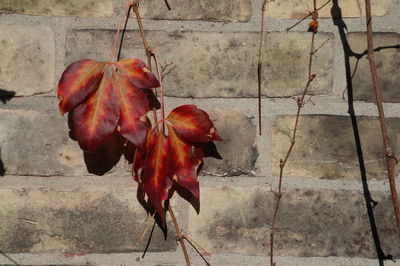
<point>179,235</point>
<point>135,8</point>
<point>260,62</point>
<point>159,74</point>
<point>300,105</point>
<point>199,249</point>
<point>390,158</point>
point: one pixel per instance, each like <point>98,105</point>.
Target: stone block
<point>212,64</point>
<point>72,8</point>
<point>238,150</point>
<point>325,147</point>
<point>34,143</point>
<point>387,57</point>
<point>209,10</point>
<point>297,9</point>
<point>311,223</point>
<point>27,59</point>
<point>73,215</point>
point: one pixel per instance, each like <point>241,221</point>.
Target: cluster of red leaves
<point>173,160</point>
<point>101,97</point>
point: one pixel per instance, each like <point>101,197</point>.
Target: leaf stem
<point>282,163</point>
<point>179,235</point>
<point>135,7</point>
<point>116,36</point>
<point>389,156</point>
<point>159,74</point>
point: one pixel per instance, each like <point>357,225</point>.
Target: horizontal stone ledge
<point>237,219</point>
<point>297,9</point>
<point>45,148</point>
<point>220,64</point>
<point>73,8</point>
<point>290,183</point>
<point>176,259</point>
<point>208,10</point>
<point>326,148</point>
<point>74,216</point>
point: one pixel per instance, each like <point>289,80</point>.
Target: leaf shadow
<point>5,95</point>
<point>338,21</point>
<point>108,155</point>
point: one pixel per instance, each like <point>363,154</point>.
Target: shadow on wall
<point>6,95</point>
<point>348,53</point>
<point>2,168</point>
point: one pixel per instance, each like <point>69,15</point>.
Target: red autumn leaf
<point>154,175</point>
<point>183,161</point>
<point>133,107</point>
<point>101,100</point>
<point>140,156</point>
<point>137,73</point>
<point>78,80</point>
<point>192,124</point>
<point>313,26</point>
<point>94,120</point>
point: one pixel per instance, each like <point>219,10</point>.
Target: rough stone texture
<point>300,8</point>
<point>73,215</point>
<point>75,8</point>
<point>27,59</point>
<point>311,223</point>
<point>34,143</point>
<point>220,64</point>
<point>325,146</point>
<point>286,63</point>
<point>387,59</point>
<point>238,150</point>
<point>210,10</point>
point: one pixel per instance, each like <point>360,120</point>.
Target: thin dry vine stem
<point>135,8</point>
<point>300,105</point>
<point>179,235</point>
<point>389,156</point>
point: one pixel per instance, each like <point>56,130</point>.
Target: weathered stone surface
<point>387,56</point>
<point>220,64</point>
<point>27,59</point>
<point>286,63</point>
<point>238,149</point>
<point>34,143</point>
<point>210,10</point>
<point>74,8</point>
<point>300,8</point>
<point>237,219</point>
<point>325,146</point>
<point>73,215</point>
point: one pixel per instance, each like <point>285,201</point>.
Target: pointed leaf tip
<point>154,175</point>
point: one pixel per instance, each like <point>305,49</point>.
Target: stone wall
<point>336,201</point>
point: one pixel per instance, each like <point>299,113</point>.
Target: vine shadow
<point>370,203</point>
<point>2,168</point>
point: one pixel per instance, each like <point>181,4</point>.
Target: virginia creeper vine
<point>313,27</point>
<point>389,156</point>
<point>113,98</point>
